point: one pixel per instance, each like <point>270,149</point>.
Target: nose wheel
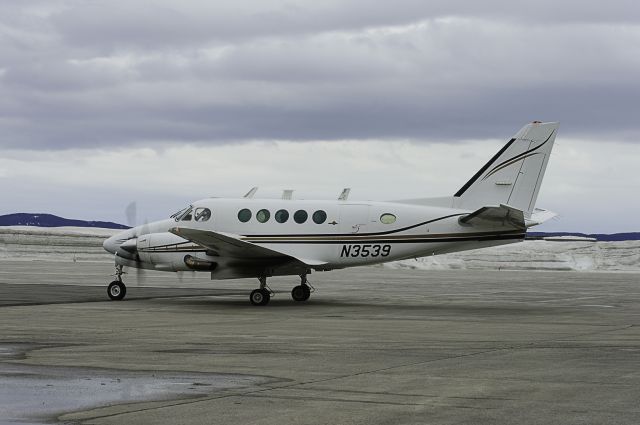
<point>117,289</point>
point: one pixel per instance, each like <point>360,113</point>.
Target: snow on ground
<point>54,243</point>
<point>537,255</point>
<point>57,231</point>
<point>85,244</point>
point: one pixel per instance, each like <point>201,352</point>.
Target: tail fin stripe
<point>522,154</point>
<point>473,179</point>
<point>511,162</point>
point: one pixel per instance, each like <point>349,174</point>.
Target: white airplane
<point>247,237</point>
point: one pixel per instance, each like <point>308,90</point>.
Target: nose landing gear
<point>117,289</point>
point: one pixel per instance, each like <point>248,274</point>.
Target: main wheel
<point>259,297</point>
<point>307,292</point>
<point>300,293</point>
<point>116,290</point>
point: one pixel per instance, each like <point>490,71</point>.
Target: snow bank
<point>85,244</point>
<point>54,243</point>
<point>537,255</point>
<point>60,231</point>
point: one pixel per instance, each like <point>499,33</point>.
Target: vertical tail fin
<point>514,175</point>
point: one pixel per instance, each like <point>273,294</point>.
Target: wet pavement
<point>38,394</point>
<point>372,346</point>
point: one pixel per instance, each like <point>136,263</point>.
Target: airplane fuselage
<point>335,234</point>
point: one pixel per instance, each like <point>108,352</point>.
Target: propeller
<point>131,212</point>
<point>131,245</point>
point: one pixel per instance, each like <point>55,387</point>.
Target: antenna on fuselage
<point>287,194</point>
<point>345,194</point>
<point>252,192</point>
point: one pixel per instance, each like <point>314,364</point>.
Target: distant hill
<point>50,220</point>
<point>631,236</point>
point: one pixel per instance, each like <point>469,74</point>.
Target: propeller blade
<point>141,276</point>
<point>131,212</point>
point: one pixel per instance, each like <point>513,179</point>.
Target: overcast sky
<point>165,102</point>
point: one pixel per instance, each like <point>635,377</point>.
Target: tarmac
<point>371,346</point>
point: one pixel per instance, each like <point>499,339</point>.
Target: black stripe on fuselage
<point>365,237</point>
<point>394,240</point>
<point>416,240</point>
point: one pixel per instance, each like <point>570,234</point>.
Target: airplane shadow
<point>239,301</point>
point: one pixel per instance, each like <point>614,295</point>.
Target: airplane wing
<point>503,215</point>
<point>230,245</point>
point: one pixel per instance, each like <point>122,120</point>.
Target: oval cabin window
<point>300,216</point>
<point>282,216</point>
<point>244,215</point>
<point>387,218</point>
<point>319,217</point>
<point>263,216</point>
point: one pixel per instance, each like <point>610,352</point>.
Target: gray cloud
<point>161,23</point>
<point>86,74</point>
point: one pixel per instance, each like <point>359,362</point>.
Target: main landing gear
<point>116,289</point>
<point>262,295</point>
<point>301,292</point>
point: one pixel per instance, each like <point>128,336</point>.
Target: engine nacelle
<point>165,251</point>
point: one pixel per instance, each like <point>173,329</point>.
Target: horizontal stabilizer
<point>504,215</point>
<point>539,216</point>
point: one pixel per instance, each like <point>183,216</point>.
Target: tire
<point>300,293</point>
<point>307,292</point>
<point>297,293</point>
<point>259,297</point>
<point>116,290</point>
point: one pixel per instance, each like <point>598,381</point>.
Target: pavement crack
<point>348,400</point>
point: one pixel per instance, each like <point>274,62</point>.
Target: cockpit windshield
<point>182,213</point>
